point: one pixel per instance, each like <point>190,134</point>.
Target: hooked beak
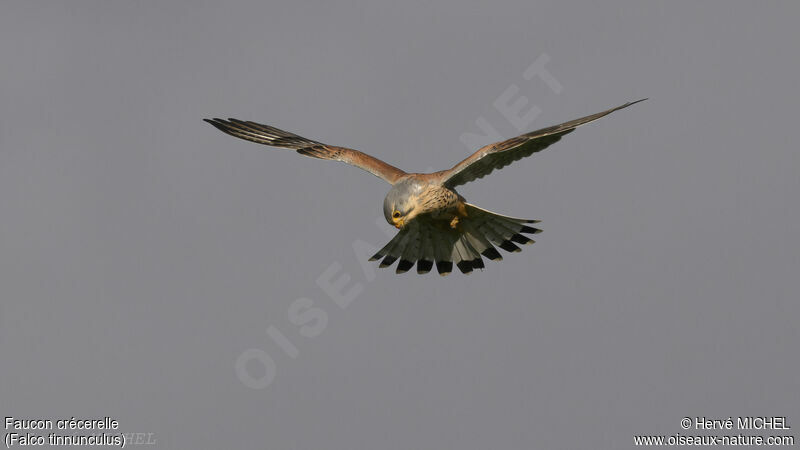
<point>399,223</point>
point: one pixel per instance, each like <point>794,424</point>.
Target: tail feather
<point>492,254</point>
<point>506,228</point>
<point>490,233</point>
<point>425,260</point>
<point>464,255</point>
<point>460,258</point>
<point>444,267</point>
<point>480,211</point>
<point>388,261</point>
<point>410,253</point>
<point>477,261</point>
<point>520,239</point>
<point>387,248</point>
<point>396,250</point>
<point>530,230</point>
<point>501,230</point>
<point>475,238</point>
<point>404,266</point>
<point>442,249</point>
<point>473,245</point>
<point>510,247</point>
<point>424,266</point>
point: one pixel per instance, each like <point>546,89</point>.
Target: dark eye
<point>396,214</point>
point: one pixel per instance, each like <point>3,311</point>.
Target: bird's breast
<point>437,200</point>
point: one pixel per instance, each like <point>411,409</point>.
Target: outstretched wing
<point>500,154</point>
<point>267,135</point>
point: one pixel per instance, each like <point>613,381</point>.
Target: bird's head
<point>399,206</point>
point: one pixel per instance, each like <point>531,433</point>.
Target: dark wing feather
<point>267,135</point>
<point>500,154</point>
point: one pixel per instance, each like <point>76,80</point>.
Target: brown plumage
<point>436,224</point>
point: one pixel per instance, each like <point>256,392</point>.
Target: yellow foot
<point>454,223</point>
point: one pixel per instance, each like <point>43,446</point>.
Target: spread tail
<point>424,243</point>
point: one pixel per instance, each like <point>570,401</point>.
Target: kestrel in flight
<point>436,223</point>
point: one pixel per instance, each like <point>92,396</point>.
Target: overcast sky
<point>215,293</point>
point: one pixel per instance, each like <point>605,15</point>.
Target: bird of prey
<point>437,225</point>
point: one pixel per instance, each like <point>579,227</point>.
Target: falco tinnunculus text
<point>436,223</point>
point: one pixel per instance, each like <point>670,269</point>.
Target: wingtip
<point>219,124</point>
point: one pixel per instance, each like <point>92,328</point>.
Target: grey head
<point>399,202</point>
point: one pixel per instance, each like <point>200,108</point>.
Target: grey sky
<point>142,251</point>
